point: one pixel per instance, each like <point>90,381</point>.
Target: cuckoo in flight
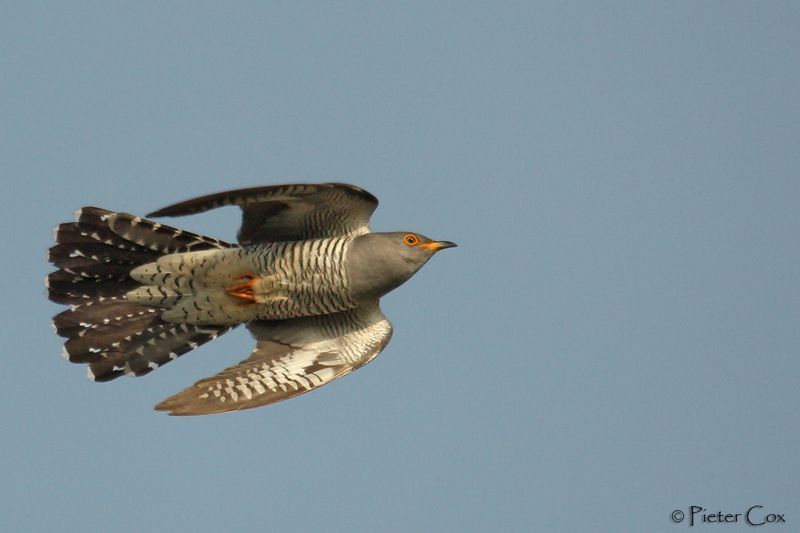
<point>305,277</point>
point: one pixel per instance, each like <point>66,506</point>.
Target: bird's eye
<point>411,239</point>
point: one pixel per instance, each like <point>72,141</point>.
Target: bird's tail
<point>95,255</point>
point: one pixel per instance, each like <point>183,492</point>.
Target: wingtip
<point>163,407</point>
<point>178,405</point>
<point>166,406</point>
<point>169,211</point>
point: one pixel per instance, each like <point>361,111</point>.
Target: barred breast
<point>301,278</point>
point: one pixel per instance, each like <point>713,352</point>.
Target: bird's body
<point>268,281</point>
<point>305,277</point>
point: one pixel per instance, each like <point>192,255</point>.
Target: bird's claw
<point>244,290</point>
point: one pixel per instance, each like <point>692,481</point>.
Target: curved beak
<point>435,246</point>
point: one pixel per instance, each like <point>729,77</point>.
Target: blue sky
<point>615,338</point>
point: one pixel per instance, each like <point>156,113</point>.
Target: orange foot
<point>244,290</point>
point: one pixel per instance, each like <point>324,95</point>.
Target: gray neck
<point>375,268</point>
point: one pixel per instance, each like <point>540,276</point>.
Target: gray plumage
<point>306,278</point>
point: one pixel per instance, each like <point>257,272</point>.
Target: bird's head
<point>380,262</point>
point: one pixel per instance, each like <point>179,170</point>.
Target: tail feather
<point>74,290</point>
<point>90,314</point>
<point>146,233</point>
<point>89,268</point>
<point>99,336</point>
<point>98,253</point>
<point>92,233</point>
<point>95,256</point>
<point>151,348</point>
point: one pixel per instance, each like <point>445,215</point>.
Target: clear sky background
<point>615,338</point>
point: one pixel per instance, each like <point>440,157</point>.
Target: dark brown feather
<point>95,255</point>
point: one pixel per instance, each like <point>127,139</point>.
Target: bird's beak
<point>435,246</point>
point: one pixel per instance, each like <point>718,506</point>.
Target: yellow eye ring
<point>411,239</point>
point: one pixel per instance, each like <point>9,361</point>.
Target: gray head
<point>380,262</point>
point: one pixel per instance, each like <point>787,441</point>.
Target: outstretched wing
<point>291,357</point>
<point>289,212</point>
